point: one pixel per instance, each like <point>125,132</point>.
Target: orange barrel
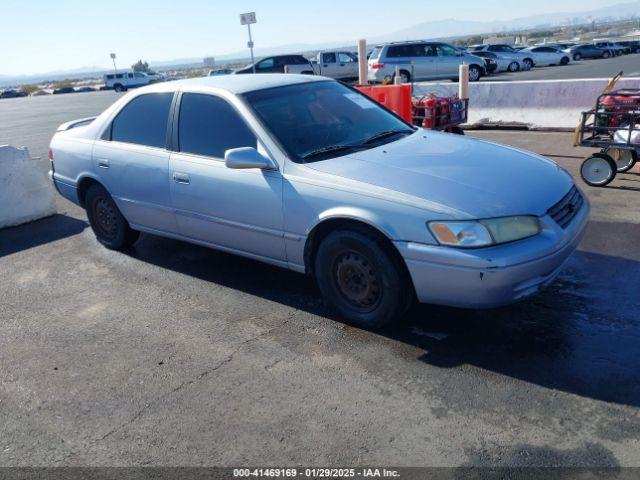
<point>396,98</point>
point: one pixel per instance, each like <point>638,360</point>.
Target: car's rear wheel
<point>625,159</point>
<point>577,57</point>
<point>361,278</point>
<point>598,170</point>
<point>111,229</point>
<point>405,77</point>
<point>528,63</point>
<point>606,55</point>
<point>514,67</point>
<point>564,61</point>
<point>118,88</point>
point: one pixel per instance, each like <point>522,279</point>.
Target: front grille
<point>566,209</point>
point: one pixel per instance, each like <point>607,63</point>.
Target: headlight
<point>482,233</point>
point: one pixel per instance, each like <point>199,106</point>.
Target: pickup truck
<point>125,80</point>
<point>336,64</point>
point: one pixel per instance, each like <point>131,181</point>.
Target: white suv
<point>125,80</point>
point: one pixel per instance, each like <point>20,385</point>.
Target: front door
<point>237,209</point>
<point>448,61</point>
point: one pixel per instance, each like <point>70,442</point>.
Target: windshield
<point>319,120</point>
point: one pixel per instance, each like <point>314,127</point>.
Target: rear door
<point>240,210</point>
<point>132,161</point>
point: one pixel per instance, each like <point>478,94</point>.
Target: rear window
<point>143,120</point>
<point>376,52</point>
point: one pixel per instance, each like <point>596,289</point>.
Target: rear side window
<point>143,120</point>
<point>209,126</point>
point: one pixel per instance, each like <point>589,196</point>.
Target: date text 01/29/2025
<point>315,473</point>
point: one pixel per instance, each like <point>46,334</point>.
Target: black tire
<point>528,63</point>
<point>475,73</point>
<point>111,229</point>
<point>577,57</point>
<point>626,160</point>
<point>598,170</point>
<point>118,87</point>
<point>456,130</point>
<point>564,61</point>
<point>405,77</point>
<point>513,67</point>
<point>364,282</point>
<point>606,55</point>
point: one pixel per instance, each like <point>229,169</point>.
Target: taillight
<point>377,66</point>
<point>50,154</point>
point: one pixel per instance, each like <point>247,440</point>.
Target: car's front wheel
<point>577,57</point>
<point>564,61</point>
<point>528,63</point>
<point>474,73</point>
<point>606,55</point>
<point>111,229</point>
<point>361,278</point>
<point>514,67</point>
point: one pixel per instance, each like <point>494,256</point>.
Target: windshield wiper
<point>385,134</point>
<point>330,149</point>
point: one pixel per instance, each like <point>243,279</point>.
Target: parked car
<point>220,71</point>
<point>578,52</point>
<point>420,60</point>
<point>502,63</point>
<point>336,64</point>
<point>121,82</point>
<point>546,56</point>
<point>507,51</point>
<point>86,88</point>
<point>277,64</point>
<point>305,173</point>
<point>61,90</point>
<point>632,45</point>
<point>10,93</point>
<point>614,48</point>
<point>560,46</point>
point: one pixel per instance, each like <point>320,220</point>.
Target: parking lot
<point>173,354</point>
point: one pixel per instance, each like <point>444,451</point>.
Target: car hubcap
<point>474,74</point>
<point>105,217</point>
<point>357,281</point>
<point>596,170</point>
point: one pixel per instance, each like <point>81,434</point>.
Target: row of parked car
<point>13,93</point>
<point>428,60</point>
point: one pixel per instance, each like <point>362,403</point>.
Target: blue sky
<point>43,36</point>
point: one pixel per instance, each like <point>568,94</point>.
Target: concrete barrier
<point>25,193</point>
<point>543,104</point>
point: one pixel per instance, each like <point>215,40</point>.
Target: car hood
<point>479,179</point>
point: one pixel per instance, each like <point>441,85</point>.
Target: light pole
<point>113,57</point>
<point>247,19</point>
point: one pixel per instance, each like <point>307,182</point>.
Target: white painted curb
<point>25,193</point>
<point>536,104</point>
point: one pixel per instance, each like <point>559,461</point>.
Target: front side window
<point>143,120</point>
<point>264,64</point>
<point>320,120</point>
<point>446,51</point>
<point>209,125</point>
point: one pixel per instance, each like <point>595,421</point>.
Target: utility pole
<point>247,19</point>
<point>113,57</point>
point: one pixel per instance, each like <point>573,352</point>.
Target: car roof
<point>238,84</point>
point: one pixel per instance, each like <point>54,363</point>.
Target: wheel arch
<point>340,219</point>
<point>83,185</point>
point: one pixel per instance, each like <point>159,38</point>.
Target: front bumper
<point>495,276</point>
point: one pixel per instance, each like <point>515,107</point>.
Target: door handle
<point>103,163</point>
<point>181,178</point>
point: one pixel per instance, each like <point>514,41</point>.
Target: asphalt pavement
<point>174,354</point>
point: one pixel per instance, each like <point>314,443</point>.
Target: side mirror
<point>247,157</point>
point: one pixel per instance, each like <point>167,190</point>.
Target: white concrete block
<point>25,193</point>
<point>536,104</point>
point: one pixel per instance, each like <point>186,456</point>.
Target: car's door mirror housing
<point>247,157</point>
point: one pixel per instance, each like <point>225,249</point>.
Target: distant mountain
<point>448,28</point>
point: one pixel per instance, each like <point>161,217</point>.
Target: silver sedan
<point>307,174</point>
